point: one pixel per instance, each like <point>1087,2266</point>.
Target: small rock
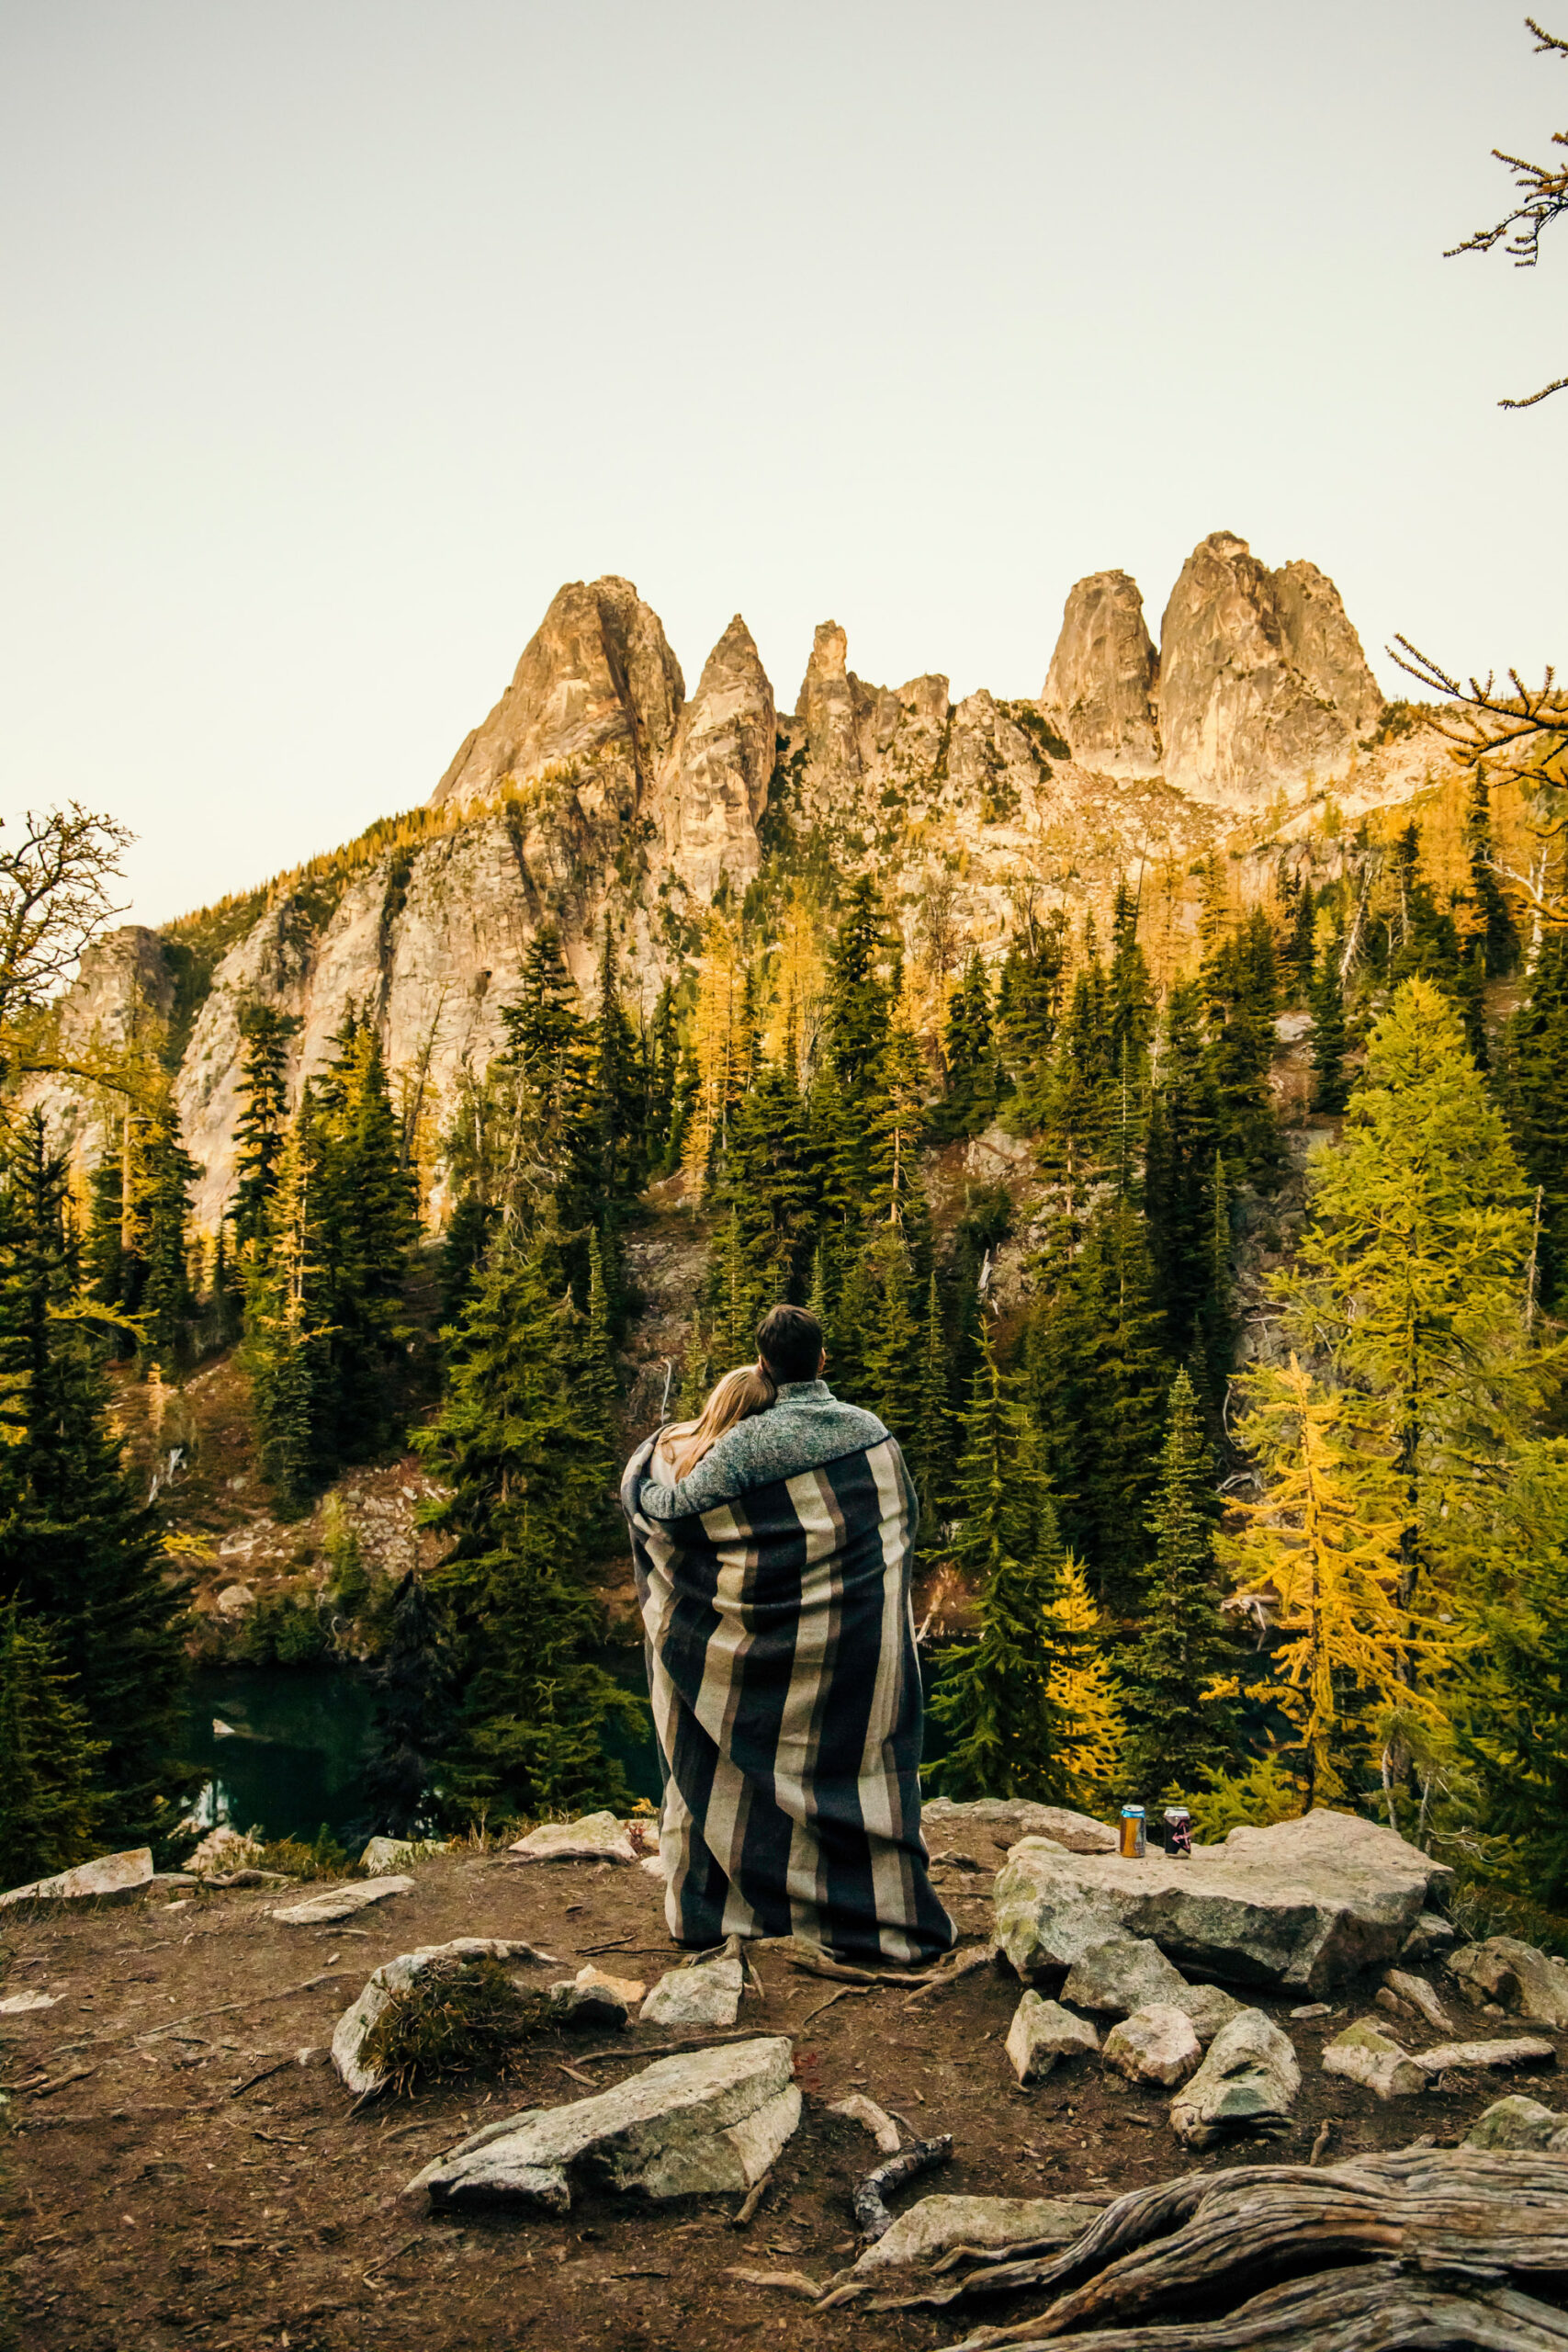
<point>17,2004</point>
<point>1518,2122</point>
<point>1121,1975</point>
<point>1154,2045</point>
<point>1492,2010</point>
<point>1247,2082</point>
<point>574,2003</point>
<point>390,1853</point>
<point>1041,2032</point>
<point>1208,2007</point>
<point>931,2227</point>
<point>113,1878</point>
<point>864,2110</point>
<point>235,1599</point>
<point>1527,1983</point>
<point>1365,2054</point>
<point>1529,2049</point>
<point>597,1838</point>
<point>340,1902</point>
<point>353,2028</point>
<point>1429,1939</point>
<point>314,2054</point>
<point>1387,1999</point>
<point>709,1995</point>
<point>1311,2010</point>
<point>705,2123</point>
<point>1417,1994</point>
<point>170,1882</point>
<point>629,1989</point>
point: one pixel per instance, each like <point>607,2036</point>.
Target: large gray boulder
<point>1247,2082</point>
<point>1124,1973</point>
<point>702,2124</point>
<point>593,1838</point>
<point>708,1996</point>
<point>1301,1906</point>
<point>1041,2032</point>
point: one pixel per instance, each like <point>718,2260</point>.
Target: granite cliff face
<point>1102,687</point>
<point>594,790</point>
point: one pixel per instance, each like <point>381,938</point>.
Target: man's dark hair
<point>789,1340</point>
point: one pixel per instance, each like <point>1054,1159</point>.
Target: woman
<point>682,1445</point>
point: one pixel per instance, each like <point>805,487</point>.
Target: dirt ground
<point>160,2188</point>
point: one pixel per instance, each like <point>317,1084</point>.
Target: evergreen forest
<point>1219,1315</point>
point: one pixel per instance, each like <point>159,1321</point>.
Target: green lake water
<point>297,1740</point>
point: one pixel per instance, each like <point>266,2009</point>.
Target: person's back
<point>774,1587</point>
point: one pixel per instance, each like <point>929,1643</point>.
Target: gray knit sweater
<point>805,1427</point>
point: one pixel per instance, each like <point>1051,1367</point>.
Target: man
<point>774,1585</point>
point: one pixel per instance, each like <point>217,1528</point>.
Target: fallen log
<point>1215,2237</point>
<point>1375,2308</point>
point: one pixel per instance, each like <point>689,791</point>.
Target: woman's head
<point>741,1393</point>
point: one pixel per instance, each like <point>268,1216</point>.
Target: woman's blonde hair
<point>741,1393</point>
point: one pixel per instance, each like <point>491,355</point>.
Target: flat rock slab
<point>1419,1993</point>
<point>17,2004</point>
<point>1154,2045</point>
<point>707,2122</point>
<point>1249,2080</point>
<point>1012,1818</point>
<point>936,2224</point>
<point>1041,2032</point>
<point>1301,1906</point>
<point>113,1878</point>
<point>1527,2050</point>
<point>709,1995</point>
<point>353,2028</point>
<point>1518,2122</point>
<point>597,1838</point>
<point>1363,2053</point>
<point>340,1902</point>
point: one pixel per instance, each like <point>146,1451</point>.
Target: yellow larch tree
<point>1083,1691</point>
<point>717,1045</point>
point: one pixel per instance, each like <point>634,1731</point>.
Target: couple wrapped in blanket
<point>771,1539</point>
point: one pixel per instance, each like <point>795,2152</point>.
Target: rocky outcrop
<point>712,789</point>
<point>1303,1905</point>
<point>1103,684</point>
<point>597,690</point>
<point>1262,677</point>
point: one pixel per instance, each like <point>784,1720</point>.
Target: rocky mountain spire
<point>597,686</point>
<point>714,786</point>
<point>1102,684</point>
<point>1262,677</point>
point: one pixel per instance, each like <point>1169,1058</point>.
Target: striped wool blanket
<point>787,1700</point>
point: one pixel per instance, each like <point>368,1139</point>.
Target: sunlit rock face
<point>712,789</point>
<point>1262,678</point>
<point>1102,686</point>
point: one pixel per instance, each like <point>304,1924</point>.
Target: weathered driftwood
<point>1215,2237</point>
<point>1375,2308</point>
<point>871,2216</point>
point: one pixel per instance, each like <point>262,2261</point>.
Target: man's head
<point>789,1344</point>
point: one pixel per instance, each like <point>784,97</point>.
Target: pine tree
<point>1240,982</point>
<point>415,1681</point>
<point>970,1055</point>
<point>1176,1729</point>
<point>893,1355</point>
<point>1180,1173</point>
<point>285,1347</point>
<point>1499,933</point>
<point>258,1130</point>
<point>1085,1692</point>
<point>1535,1098</point>
<point>80,1554</point>
<point>1326,1537</point>
<point>49,1808</point>
<point>928,1441</point>
<point>522,1468</point>
<point>1331,1084</point>
<point>165,1172</point>
<point>543,1026</point>
<point>1122,1378</point>
<point>363,1220</point>
<point>1032,1012</point>
<point>1301,952</point>
<point>1411,1272</point>
<point>995,1693</point>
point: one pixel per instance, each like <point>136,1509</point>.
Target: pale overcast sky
<point>339,333</point>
